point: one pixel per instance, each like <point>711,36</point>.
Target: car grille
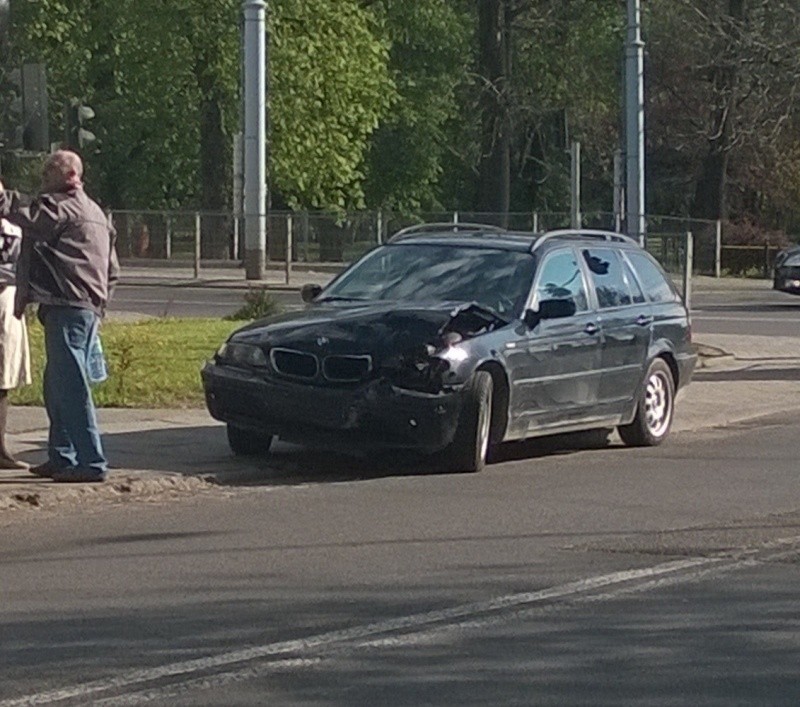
<point>346,369</point>
<point>337,369</point>
<point>297,364</point>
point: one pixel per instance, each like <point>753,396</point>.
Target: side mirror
<point>310,292</point>
<point>550,309</point>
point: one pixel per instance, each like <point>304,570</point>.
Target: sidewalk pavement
<point>160,454</point>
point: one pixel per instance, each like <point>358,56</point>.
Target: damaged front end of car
<point>446,361</point>
<point>409,397</point>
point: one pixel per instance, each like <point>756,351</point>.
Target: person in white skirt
<point>15,361</point>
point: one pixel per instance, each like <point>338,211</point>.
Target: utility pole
<point>255,137</point>
<point>635,224</point>
<point>575,219</point>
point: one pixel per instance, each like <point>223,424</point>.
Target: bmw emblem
<point>322,341</point>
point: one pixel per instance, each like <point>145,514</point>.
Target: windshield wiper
<point>339,298</point>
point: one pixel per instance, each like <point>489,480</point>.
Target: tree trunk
<point>214,171</point>
<point>494,182</point>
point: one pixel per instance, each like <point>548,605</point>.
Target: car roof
<point>482,235</point>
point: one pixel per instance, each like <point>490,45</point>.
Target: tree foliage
<point>432,104</point>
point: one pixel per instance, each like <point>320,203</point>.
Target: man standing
<point>69,267</point>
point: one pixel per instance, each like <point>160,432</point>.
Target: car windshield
<point>492,277</point>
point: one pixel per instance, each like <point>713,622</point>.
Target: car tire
<point>247,443</point>
<point>470,446</point>
<point>654,409</point>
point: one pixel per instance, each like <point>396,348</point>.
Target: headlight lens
<point>242,355</point>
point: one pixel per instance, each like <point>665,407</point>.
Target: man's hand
<point>2,188</point>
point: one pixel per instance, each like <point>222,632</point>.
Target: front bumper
<point>375,414</point>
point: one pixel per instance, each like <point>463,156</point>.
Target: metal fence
<point>203,237</point>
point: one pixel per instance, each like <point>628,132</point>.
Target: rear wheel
<point>470,446</point>
<point>654,410</point>
<point>248,443</point>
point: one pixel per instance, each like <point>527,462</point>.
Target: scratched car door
<point>554,366</point>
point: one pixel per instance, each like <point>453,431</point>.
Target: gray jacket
<point>68,250</point>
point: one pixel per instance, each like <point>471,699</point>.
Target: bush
<point>258,303</point>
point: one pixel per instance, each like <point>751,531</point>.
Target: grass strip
<point>153,363</point>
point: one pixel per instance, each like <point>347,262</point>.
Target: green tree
<point>429,61</point>
<point>163,79</point>
<point>330,89</point>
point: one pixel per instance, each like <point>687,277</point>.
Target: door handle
<point>644,320</point>
<point>591,329</point>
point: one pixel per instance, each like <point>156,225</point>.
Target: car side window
<point>654,281</point>
<point>560,277</point>
<point>608,277</point>
<point>633,284</point>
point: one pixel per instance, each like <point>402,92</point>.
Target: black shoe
<point>45,470</point>
<point>75,475</point>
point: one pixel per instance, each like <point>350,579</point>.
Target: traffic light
<point>35,122</point>
<point>11,119</point>
<point>25,122</point>
<point>77,116</point>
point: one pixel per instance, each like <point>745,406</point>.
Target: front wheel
<point>247,443</point>
<point>470,446</point>
<point>654,409</point>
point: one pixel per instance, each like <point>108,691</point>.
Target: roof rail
<point>584,233</point>
<point>447,227</point>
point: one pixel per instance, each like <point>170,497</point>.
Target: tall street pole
<point>635,224</point>
<point>255,137</point>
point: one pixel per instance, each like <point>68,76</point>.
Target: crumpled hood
<point>379,329</point>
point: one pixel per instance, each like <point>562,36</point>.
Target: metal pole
<point>289,238</point>
<point>255,137</point>
<point>197,227</point>
<point>306,235</point>
<point>634,124</point>
<point>238,188</point>
<point>536,222</point>
<point>619,190</point>
<point>718,251</point>
<point>575,186</point>
<point>688,267</point>
<point>379,227</point>
<point>168,239</point>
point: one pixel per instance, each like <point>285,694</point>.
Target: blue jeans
<point>74,440</point>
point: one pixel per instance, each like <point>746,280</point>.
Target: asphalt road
<point>604,576</point>
<point>757,311</point>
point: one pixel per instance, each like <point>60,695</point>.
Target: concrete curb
<point>33,493</point>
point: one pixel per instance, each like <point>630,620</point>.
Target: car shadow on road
<point>203,452</point>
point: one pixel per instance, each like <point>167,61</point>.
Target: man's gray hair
<point>68,164</point>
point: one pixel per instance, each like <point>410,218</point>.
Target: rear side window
<point>655,283</point>
<point>608,277</point>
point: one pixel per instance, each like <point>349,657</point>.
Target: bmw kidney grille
<point>337,369</point>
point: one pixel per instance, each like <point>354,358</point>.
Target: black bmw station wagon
<point>454,338</point>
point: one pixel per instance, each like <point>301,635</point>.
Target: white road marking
<point>418,628</point>
<point>754,318</point>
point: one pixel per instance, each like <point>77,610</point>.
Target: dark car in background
<point>786,275</point>
<point>455,338</point>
